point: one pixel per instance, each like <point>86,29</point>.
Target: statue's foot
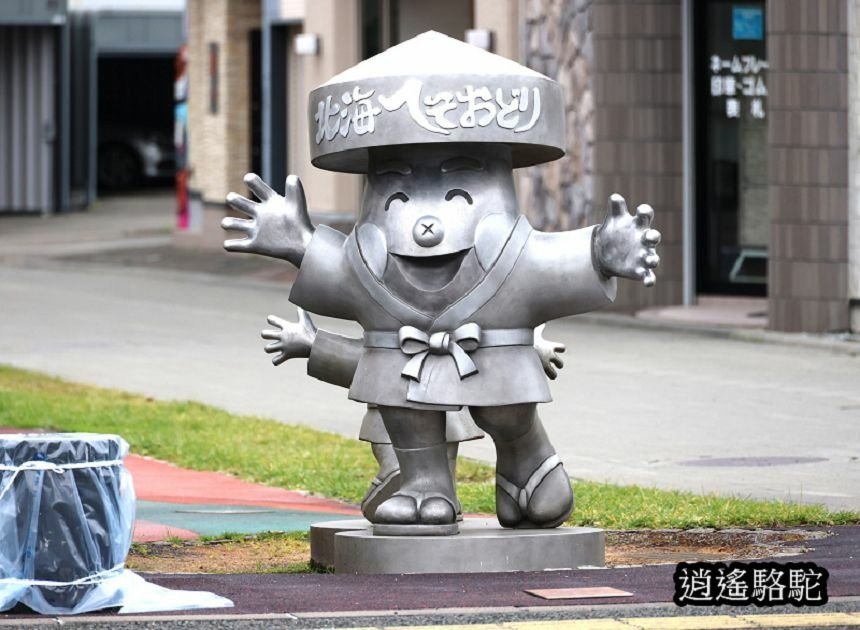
<point>416,513</point>
<point>545,500</point>
<point>381,489</point>
<point>387,480</point>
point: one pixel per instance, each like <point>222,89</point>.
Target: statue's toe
<point>380,490</point>
<point>545,500</point>
<point>552,501</point>
<point>399,509</point>
<point>437,511</point>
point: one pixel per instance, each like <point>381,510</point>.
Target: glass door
<point>731,147</point>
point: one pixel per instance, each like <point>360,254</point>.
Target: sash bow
<point>456,343</point>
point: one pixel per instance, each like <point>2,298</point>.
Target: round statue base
<point>481,546</point>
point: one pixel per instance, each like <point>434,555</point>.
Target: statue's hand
<point>625,245</point>
<point>293,340</point>
<point>279,226</point>
<point>548,352</point>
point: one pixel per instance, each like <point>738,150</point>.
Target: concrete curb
<point>840,343</point>
<point>540,616</point>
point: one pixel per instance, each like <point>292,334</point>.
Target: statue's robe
<point>536,277</point>
<point>334,359</point>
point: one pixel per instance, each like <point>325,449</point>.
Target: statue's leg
<point>426,501</point>
<point>458,426</point>
<point>532,487</point>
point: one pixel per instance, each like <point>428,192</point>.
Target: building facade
<point>80,81</point>
<point>736,121</point>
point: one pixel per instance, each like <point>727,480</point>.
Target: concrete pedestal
<point>481,546</point>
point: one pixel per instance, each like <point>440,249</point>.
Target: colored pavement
<point>174,502</point>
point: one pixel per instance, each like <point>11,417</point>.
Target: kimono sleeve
<point>334,358</point>
<point>325,283</point>
<point>556,273</point>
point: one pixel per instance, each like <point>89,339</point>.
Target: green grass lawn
<point>289,456</point>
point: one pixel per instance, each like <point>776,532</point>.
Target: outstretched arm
<point>331,358</point>
<point>567,273</point>
<point>278,226</point>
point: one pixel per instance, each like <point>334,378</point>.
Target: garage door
<point>28,118</point>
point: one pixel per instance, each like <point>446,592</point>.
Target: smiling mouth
<point>431,273</point>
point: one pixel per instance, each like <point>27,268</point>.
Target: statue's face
<point>428,204</point>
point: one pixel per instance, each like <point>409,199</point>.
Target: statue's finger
<point>271,334</point>
<point>617,205</point>
<point>279,359</point>
<point>261,189</point>
<point>293,187</point>
<point>651,260</point>
<point>274,320</point>
<point>557,362</point>
<point>559,348</point>
<point>273,347</point>
<point>232,223</point>
<point>651,238</point>
<point>649,278</point>
<point>238,245</point>
<point>644,216</point>
<point>241,204</point>
<point>551,372</point>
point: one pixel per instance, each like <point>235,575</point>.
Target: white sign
<point>739,76</point>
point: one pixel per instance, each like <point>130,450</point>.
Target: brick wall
<point>558,41</point>
<point>638,131</point>
<point>219,143</point>
<point>808,164</point>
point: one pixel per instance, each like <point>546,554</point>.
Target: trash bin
<point>66,514</point>
<point>66,521</point>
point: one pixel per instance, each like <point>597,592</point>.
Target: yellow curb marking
<point>573,624</point>
<point>717,622</point>
<point>800,620</point>
<point>700,622</point>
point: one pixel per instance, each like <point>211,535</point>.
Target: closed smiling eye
<point>458,192</point>
<point>398,196</point>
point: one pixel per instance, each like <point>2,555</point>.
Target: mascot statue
<point>442,271</point>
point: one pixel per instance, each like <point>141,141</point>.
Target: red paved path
<point>163,482</point>
<point>159,481</point>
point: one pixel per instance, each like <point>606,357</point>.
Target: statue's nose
<point>428,231</point>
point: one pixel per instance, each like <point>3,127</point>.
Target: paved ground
<point>181,503</point>
<point>649,617</point>
<point>669,409</point>
<point>142,220</point>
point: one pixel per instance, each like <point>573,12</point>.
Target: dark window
<point>731,146</point>
<point>256,104</point>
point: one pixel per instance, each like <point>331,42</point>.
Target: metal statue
<point>442,271</point>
